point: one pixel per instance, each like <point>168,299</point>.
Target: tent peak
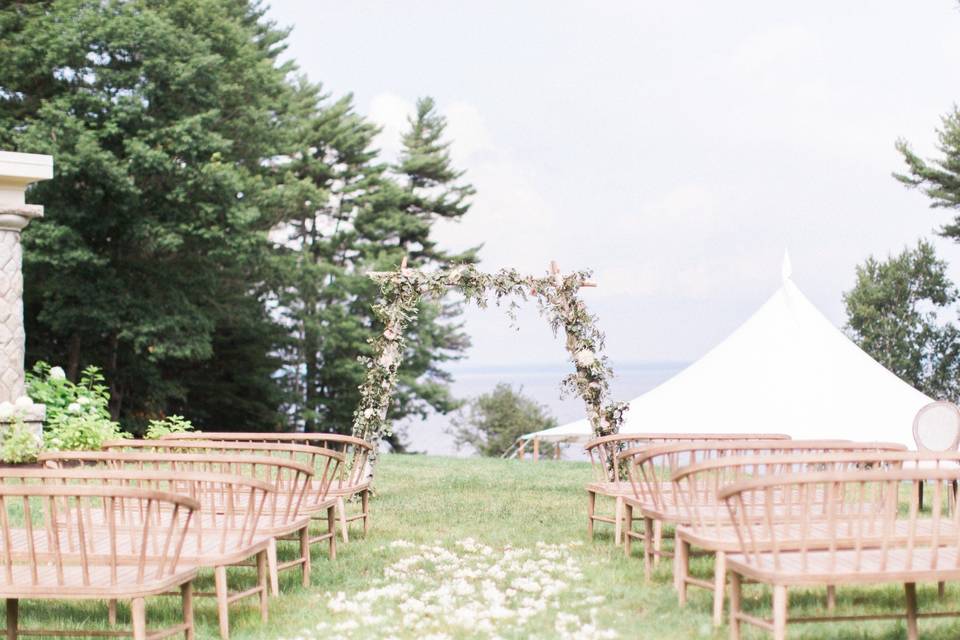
<point>786,269</point>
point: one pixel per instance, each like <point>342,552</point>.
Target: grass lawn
<point>468,548</point>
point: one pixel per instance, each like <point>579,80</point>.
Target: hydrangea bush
<point>78,414</point>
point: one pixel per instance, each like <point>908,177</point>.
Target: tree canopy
<point>492,422</point>
<point>894,312</point>
<point>213,215</point>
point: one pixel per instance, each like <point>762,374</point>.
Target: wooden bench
<point>610,484</point>
<point>281,517</point>
<point>354,481</point>
<point>226,531</point>
<point>649,470</point>
<point>50,552</point>
<point>327,466</point>
<point>873,536</point>
<point>707,525</point>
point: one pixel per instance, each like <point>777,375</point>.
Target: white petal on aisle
<point>439,592</point>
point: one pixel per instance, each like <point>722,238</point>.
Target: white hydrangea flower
<point>57,373</point>
<point>6,410</point>
<point>74,407</point>
<point>24,402</point>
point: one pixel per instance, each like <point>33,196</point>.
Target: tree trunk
<point>73,357</point>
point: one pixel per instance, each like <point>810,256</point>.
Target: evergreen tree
<point>160,117</point>
<point>892,313</point>
<point>939,178</point>
<point>352,214</point>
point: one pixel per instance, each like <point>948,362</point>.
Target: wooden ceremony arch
<point>559,302</point>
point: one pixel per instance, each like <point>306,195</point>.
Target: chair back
<point>840,523</point>
<point>230,506</point>
<point>603,450</point>
<point>936,427</point>
<point>288,481</point>
<point>356,451</point>
<point>326,464</point>
<point>46,538</point>
<point>650,469</point>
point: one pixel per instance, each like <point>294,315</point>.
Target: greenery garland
<point>559,301</point>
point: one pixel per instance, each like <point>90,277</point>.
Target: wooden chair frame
<point>870,539</point>
<point>649,470</point>
<point>224,532</point>
<point>58,560</point>
<point>282,518</point>
<point>327,466</point>
<point>355,450</point>
<point>708,527</point>
<point>602,452</point>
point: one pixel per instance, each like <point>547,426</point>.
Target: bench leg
<point>332,530</point>
<point>911,593</point>
<point>223,606</point>
<point>734,606</point>
<point>263,575</point>
<point>305,554</point>
<point>342,508</point>
<point>186,601</point>
<point>591,509</point>
<point>647,550</point>
<point>719,587</point>
<point>831,597</point>
<point>657,541</point>
<point>138,611</point>
<point>365,504</point>
<point>941,590</point>
<point>681,569</point>
<point>274,567</point>
<point>627,538</point>
<point>618,521</point>
<point>779,612</point>
<point>112,612</point>
<point>13,618</point>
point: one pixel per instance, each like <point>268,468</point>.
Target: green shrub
<point>171,424</point>
<point>78,415</point>
<point>17,442</point>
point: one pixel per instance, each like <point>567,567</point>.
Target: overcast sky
<point>674,148</point>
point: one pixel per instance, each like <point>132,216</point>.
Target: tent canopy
<point>787,369</point>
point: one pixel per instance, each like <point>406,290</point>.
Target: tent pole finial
<point>786,269</point>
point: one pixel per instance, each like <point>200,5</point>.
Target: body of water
<point>540,383</point>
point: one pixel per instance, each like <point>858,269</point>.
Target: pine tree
<point>160,117</point>
<point>939,178</point>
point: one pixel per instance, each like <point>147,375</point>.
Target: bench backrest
<point>45,537</point>
<point>604,450</point>
<point>356,451</point>
<point>859,511</point>
<point>230,506</point>
<point>696,487</point>
<point>650,469</point>
<point>327,464</point>
<point>289,481</point>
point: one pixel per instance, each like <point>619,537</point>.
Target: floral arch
<point>559,302</point>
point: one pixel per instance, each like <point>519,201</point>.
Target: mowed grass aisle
<point>477,548</point>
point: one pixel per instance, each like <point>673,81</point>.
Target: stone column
<point>17,170</point>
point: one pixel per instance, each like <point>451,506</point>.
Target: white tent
<point>787,369</point>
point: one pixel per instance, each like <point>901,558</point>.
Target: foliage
<point>492,422</point>
<point>893,314</point>
<point>161,116</point>
<point>18,444</point>
<point>559,302</point>
<point>347,213</point>
<point>78,414</point>
<point>938,178</point>
<point>170,424</point>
